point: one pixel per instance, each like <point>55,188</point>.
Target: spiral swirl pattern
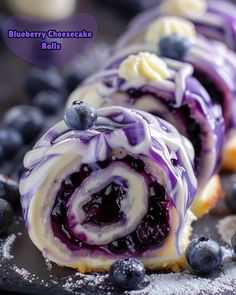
<point>122,188</point>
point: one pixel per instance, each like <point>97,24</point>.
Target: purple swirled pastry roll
<point>166,89</point>
<point>214,19</point>
<point>122,188</point>
<point>177,38</point>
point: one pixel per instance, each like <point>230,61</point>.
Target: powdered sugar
<point>226,228</point>
<point>184,283</point>
<point>7,246</point>
<point>23,273</point>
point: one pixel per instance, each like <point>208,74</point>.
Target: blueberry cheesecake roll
<point>109,184</point>
<point>165,88</point>
<point>213,19</point>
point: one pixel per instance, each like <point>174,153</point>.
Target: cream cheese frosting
<point>144,66</point>
<point>165,26</point>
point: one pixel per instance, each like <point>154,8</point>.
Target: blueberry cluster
<point>21,125</point>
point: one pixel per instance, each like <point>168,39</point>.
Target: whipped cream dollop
<point>144,67</point>
<point>188,8</point>
<point>169,25</point>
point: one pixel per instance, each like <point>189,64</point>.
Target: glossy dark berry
<point>9,190</point>
<point>173,46</point>
<point>80,116</point>
<point>10,141</point>
<point>231,198</point>
<point>204,255</point>
<point>6,215</point>
<point>127,273</point>
<point>74,78</point>
<point>27,120</point>
<point>41,79</point>
<point>48,101</point>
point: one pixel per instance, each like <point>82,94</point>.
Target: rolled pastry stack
<point>216,72</point>
<point>213,19</point>
<point>122,188</point>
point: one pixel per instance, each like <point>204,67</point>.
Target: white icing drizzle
<point>60,152</point>
<point>179,72</point>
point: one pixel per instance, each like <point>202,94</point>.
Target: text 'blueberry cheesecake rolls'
<point>122,188</point>
<point>166,89</point>
<point>213,19</point>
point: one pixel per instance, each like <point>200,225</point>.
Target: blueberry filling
<point>103,203</point>
<point>191,128</point>
<point>104,207</point>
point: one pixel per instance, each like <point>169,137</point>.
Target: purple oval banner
<point>49,43</point>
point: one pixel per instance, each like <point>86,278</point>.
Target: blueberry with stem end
<point>48,101</point>
<point>27,120</point>
<point>10,141</point>
<point>174,47</point>
<point>6,215</point>
<point>204,255</point>
<point>127,273</point>
<point>80,116</point>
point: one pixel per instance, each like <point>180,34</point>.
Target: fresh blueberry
<point>41,79</point>
<point>203,255</point>
<point>80,116</point>
<point>127,273</point>
<point>173,46</point>
<point>48,101</point>
<point>10,141</point>
<point>28,120</point>
<point>9,190</point>
<point>74,78</point>
<point>6,215</point>
<point>231,198</point>
<point>233,242</point>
